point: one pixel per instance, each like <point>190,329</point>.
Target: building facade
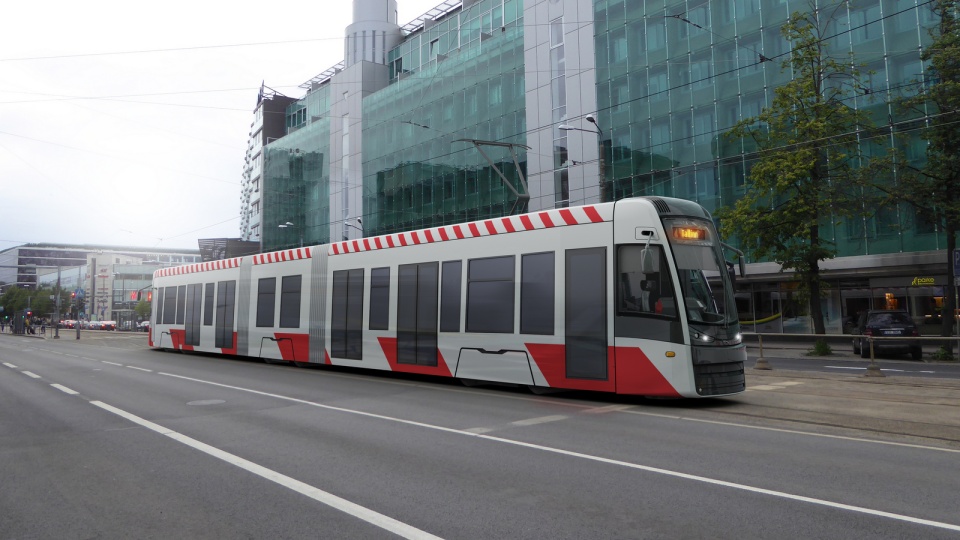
<point>106,277</point>
<point>570,102</point>
<point>268,124</point>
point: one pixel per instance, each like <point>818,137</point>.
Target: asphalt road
<point>839,364</point>
<point>103,438</point>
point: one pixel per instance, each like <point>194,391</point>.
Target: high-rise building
<point>481,108</point>
<point>268,124</point>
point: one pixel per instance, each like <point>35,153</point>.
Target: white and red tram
<point>632,297</point>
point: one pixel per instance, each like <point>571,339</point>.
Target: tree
<point>142,309</point>
<point>809,165</point>
<point>934,188</point>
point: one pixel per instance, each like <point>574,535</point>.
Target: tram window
<point>537,300</point>
<point>170,305</point>
<point>640,293</point>
<point>181,302</point>
<point>208,305</point>
<point>380,298</point>
<point>266,301</point>
<point>192,335</point>
<point>490,295</point>
<point>159,319</point>
<point>226,300</point>
<point>347,325</point>
<point>450,296</point>
<point>290,301</point>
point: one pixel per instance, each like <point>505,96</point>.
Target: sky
<point>126,124</point>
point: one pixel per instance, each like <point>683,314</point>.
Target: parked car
<point>108,325</point>
<point>886,323</point>
<point>144,326</point>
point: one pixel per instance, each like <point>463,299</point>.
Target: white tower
<point>374,31</point>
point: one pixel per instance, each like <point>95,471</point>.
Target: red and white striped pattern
<point>199,267</point>
<point>547,219</point>
<point>282,256</point>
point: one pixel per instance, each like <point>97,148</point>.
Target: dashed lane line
<point>360,512</point>
<point>30,374</point>
<point>598,459</point>
<point>64,389</point>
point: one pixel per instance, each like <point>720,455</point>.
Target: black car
<point>886,323</point>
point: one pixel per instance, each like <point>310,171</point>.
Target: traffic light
<point>135,295</point>
<point>150,296</point>
<point>73,294</point>
<point>139,295</point>
<point>29,314</point>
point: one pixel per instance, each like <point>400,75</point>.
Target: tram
<point>630,297</point>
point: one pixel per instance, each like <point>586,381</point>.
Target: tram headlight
<point>700,337</point>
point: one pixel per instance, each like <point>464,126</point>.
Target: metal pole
<point>761,361</point>
<point>56,323</point>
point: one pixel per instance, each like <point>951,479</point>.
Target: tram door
<point>586,313</point>
<point>417,315</point>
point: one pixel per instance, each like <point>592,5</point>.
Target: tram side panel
<point>195,307</point>
<point>479,308</point>
<point>277,322</point>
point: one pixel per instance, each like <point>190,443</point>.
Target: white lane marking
<point>71,355</point>
<point>374,518</point>
<point>85,358</point>
<point>141,369</point>
<point>64,389</point>
<point>788,383</point>
<point>479,430</point>
<point>9,365</point>
<point>824,435</point>
<point>764,387</point>
<point>882,369</point>
<point>112,363</point>
<point>540,420</point>
<point>608,408</point>
<point>657,470</point>
<point>30,374</point>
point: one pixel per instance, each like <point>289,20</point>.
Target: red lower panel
<point>293,347</point>
<point>551,360</point>
<point>637,375</point>
<point>179,338</point>
<point>233,349</point>
<point>389,346</point>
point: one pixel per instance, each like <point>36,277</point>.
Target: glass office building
<point>393,138</point>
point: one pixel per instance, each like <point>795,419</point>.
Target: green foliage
<point>142,309</point>
<point>933,188</point>
<point>810,167</point>
<point>820,348</point>
<point>943,354</point>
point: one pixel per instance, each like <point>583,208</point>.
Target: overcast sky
<point>124,123</point>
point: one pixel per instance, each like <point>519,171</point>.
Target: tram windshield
<point>701,271</point>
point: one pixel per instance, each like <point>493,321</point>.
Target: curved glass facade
<point>462,78</point>
<point>296,171</point>
<point>674,76</point>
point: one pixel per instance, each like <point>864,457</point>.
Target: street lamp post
<point>358,226</point>
<point>288,224</point>
<point>600,162</point>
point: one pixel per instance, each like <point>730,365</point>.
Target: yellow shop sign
<point>920,281</point>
